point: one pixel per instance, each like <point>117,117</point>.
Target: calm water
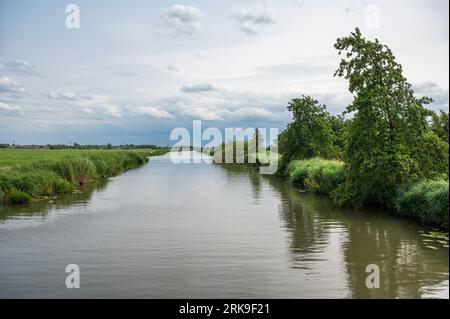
<point>206,231</point>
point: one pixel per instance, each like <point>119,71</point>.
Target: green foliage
<point>431,157</point>
<point>339,127</point>
<point>388,142</point>
<point>18,197</point>
<point>61,186</point>
<point>317,175</point>
<point>310,134</point>
<point>384,139</point>
<point>78,171</point>
<point>426,200</point>
<point>439,125</point>
<point>35,183</point>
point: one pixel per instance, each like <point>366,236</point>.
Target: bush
<point>316,174</point>
<point>78,171</point>
<point>61,186</point>
<point>18,197</point>
<point>426,200</point>
<point>35,183</point>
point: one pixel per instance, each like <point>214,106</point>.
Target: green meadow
<point>12,157</point>
<point>31,174</point>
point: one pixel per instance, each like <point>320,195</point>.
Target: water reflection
<point>409,269</point>
<point>40,211</point>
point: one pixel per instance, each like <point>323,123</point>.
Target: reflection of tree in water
<point>40,208</point>
<point>308,235</point>
<point>395,245</point>
<point>372,237</point>
<point>234,171</point>
<point>369,236</point>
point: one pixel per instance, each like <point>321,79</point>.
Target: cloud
<point>8,85</point>
<point>108,109</point>
<point>195,88</point>
<point>67,96</point>
<point>89,111</point>
<point>248,113</point>
<point>88,104</point>
<point>213,113</point>
<point>172,68</point>
<point>154,112</point>
<point>250,23</point>
<point>203,113</point>
<point>19,66</point>
<point>182,20</point>
<point>433,90</point>
<point>9,108</point>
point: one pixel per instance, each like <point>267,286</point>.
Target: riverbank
<point>425,200</point>
<point>46,173</point>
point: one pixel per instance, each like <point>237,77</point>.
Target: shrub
<point>316,174</point>
<point>78,171</point>
<point>61,186</point>
<point>18,197</point>
<point>426,200</point>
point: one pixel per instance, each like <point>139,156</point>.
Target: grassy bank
<point>31,174</point>
<point>425,200</point>
<point>316,175</point>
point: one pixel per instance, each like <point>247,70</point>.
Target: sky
<point>134,70</point>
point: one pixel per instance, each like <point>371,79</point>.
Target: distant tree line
<point>108,146</point>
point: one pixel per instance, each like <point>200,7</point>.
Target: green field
<point>31,174</point>
<point>11,157</point>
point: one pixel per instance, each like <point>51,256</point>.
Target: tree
<point>310,133</point>
<point>339,126</point>
<point>439,125</point>
<point>385,136</point>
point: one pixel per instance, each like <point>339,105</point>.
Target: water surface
<point>208,231</point>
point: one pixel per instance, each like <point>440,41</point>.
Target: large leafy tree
<point>310,133</point>
<point>385,139</point>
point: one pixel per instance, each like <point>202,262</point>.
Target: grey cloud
<point>250,22</point>
<point>172,68</point>
<point>433,90</point>
<point>64,96</point>
<point>194,88</point>
<point>182,21</point>
<point>88,104</point>
<point>19,66</point>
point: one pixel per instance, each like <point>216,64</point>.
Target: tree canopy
<point>388,135</point>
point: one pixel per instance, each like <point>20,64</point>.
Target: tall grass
<point>426,200</point>
<point>21,183</point>
<point>316,175</point>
